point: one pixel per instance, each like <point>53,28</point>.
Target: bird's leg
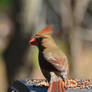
<point>56,84</point>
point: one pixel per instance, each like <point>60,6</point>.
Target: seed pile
<point>37,82</point>
<point>78,84</point>
<point>68,83</point>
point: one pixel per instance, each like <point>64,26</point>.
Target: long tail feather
<point>59,86</point>
<point>53,87</point>
<point>56,86</point>
<point>62,86</point>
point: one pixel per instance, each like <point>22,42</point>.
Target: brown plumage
<point>53,62</point>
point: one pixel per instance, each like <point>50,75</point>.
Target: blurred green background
<point>21,19</point>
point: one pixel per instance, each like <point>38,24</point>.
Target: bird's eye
<point>39,39</point>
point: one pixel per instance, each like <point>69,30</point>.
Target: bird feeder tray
<point>41,85</point>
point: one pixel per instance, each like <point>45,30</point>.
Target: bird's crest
<point>45,31</point>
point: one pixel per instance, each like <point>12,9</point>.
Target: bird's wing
<point>59,64</point>
<point>58,60</point>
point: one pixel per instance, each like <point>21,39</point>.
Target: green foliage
<point>6,2</point>
<point>5,5</point>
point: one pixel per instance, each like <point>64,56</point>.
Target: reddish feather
<point>56,86</point>
<point>45,31</point>
<point>60,62</point>
<point>62,86</point>
<point>53,87</point>
<point>59,86</point>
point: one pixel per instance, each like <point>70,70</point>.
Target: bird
<point>52,60</point>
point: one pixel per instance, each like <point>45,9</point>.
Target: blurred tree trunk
<point>18,46</point>
<point>71,13</point>
<point>3,76</point>
<point>34,19</point>
<point>78,14</point>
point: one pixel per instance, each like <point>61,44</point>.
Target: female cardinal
<point>53,62</point>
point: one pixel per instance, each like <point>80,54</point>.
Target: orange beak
<point>33,41</point>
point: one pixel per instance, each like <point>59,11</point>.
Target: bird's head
<point>39,37</point>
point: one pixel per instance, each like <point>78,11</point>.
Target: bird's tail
<point>56,86</point>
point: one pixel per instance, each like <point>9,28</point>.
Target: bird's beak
<point>33,41</point>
